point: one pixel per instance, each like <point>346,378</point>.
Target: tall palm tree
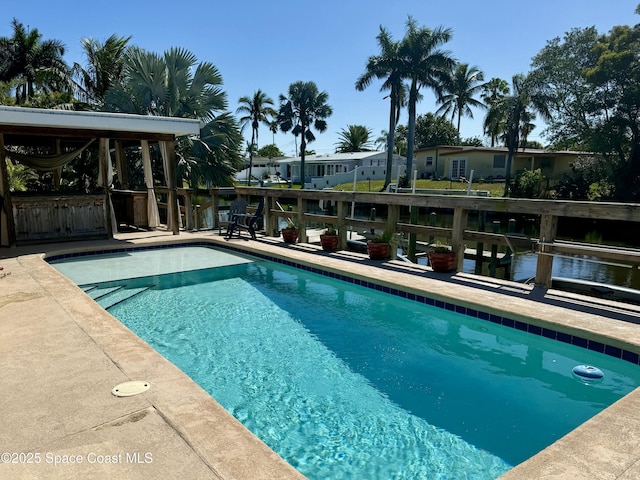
<point>305,107</point>
<point>424,65</point>
<point>34,63</point>
<point>387,66</point>
<point>105,67</point>
<point>355,138</point>
<point>459,92</point>
<point>257,109</point>
<point>494,91</point>
<point>526,96</point>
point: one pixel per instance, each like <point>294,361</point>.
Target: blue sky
<point>268,45</point>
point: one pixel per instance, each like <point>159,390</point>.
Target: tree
<point>387,66</point>
<point>432,130</point>
<point>459,91</point>
<point>257,109</point>
<point>171,85</point>
<point>35,64</point>
<point>593,85</point>
<point>105,67</point>
<point>175,85</point>
<point>493,92</point>
<point>526,96</point>
<point>355,138</point>
<point>305,107</point>
<point>270,151</point>
<point>424,64</point>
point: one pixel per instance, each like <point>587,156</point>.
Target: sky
<point>269,45</point>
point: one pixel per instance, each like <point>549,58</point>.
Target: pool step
<point>113,298</point>
<point>99,292</point>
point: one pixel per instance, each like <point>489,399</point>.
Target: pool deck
<point>62,354</point>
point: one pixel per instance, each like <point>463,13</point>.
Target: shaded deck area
<point>62,355</point>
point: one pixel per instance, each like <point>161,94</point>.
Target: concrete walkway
<point>62,354</point>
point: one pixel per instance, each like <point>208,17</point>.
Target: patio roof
<point>16,123</point>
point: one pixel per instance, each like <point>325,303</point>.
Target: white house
<point>328,170</point>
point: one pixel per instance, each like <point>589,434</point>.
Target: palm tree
<point>493,91</point>
<point>387,66</point>
<point>173,85</point>
<point>303,108</point>
<point>515,109</point>
<point>355,138</point>
<point>459,92</point>
<point>257,109</point>
<point>424,65</point>
<point>35,64</point>
<point>105,67</point>
<point>170,85</point>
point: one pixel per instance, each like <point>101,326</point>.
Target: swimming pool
<point>345,382</point>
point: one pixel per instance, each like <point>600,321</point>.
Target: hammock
<point>46,162</point>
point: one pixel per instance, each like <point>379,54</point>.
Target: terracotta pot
<point>329,242</point>
<point>442,262</point>
<point>290,235</point>
<point>378,251</point>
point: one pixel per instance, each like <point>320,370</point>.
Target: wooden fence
<point>401,217</point>
<point>458,235</point>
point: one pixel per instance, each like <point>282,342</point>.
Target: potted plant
<point>329,239</point>
<point>379,247</point>
<point>442,258</point>
<point>290,232</point>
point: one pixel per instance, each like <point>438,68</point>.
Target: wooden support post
<point>340,225</point>
<point>188,210</point>
<point>432,223</point>
<point>482,220</point>
<point>302,224</point>
<point>173,197</point>
<point>544,267</point>
<point>460,216</point>
<point>393,216</point>
<point>413,219</point>
<point>215,207</point>
<point>493,263</point>
<point>7,225</point>
<point>103,158</point>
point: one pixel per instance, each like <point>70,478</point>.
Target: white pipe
<point>470,182</point>
<point>415,176</point>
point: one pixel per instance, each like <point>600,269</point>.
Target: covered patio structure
<point>64,135</point>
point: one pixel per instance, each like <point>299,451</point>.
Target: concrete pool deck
<point>62,354</point>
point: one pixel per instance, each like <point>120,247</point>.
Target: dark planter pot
<point>442,262</point>
<point>378,251</point>
<point>329,242</point>
<point>290,235</point>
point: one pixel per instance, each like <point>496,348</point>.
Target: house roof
<point>337,157</point>
<point>444,150</point>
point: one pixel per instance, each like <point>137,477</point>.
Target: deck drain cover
<point>129,389</point>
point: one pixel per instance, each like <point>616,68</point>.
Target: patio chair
<point>237,207</point>
<point>245,222</point>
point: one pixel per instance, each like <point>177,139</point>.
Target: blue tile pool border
<point>474,312</point>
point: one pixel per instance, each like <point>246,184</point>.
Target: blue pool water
<point>346,382</point>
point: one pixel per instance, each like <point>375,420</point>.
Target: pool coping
<point>558,460</point>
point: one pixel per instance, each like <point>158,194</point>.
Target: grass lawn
<point>495,189</point>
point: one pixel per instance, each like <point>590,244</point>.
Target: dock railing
<point>458,235</point>
<point>401,217</point>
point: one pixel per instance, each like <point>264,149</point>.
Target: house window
<point>499,161</point>
<point>429,161</point>
<point>458,168</point>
